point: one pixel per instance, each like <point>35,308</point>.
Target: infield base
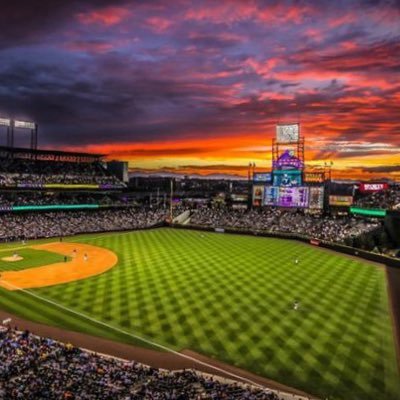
<point>12,258</point>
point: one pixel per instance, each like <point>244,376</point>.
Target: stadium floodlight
<point>24,124</point>
<point>5,122</point>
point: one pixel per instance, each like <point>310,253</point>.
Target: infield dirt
<point>86,261</point>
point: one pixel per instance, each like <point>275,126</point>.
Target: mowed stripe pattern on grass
<point>31,258</point>
<point>231,297</point>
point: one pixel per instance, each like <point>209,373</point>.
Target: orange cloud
<point>231,155</point>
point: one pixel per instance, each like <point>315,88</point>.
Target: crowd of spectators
<point>25,172</point>
<point>388,199</point>
<point>34,225</point>
<point>37,198</point>
<point>277,220</point>
<point>32,367</point>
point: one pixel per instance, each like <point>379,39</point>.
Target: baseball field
<point>322,324</point>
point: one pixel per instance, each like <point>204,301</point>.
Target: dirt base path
<point>87,261</point>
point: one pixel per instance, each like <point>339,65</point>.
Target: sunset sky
<point>198,86</point>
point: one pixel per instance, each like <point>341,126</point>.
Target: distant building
<point>119,169</point>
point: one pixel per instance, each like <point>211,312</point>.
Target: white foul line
<point>148,341</point>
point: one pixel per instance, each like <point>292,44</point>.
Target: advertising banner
<point>258,194</point>
<point>316,198</point>
<point>340,200</point>
<point>373,187</point>
<point>314,177</point>
<point>262,177</point>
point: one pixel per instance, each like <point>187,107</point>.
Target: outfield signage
<point>51,207</point>
<point>314,177</point>
<point>340,200</point>
<point>258,194</point>
<point>368,212</point>
<point>63,186</point>
<point>373,187</point>
<point>316,197</point>
<point>262,177</point>
<point>70,186</point>
<point>239,197</point>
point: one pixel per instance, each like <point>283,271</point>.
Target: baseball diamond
<point>231,298</point>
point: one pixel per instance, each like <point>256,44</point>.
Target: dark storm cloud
<point>113,105</point>
<point>381,57</point>
<point>209,41</point>
<point>135,71</point>
<point>26,22</point>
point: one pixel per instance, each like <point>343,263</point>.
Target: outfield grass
<point>231,297</point>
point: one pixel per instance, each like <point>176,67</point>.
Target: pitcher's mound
<point>12,258</point>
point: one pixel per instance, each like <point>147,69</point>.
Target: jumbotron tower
<point>288,155</point>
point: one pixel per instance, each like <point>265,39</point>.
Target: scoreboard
<point>286,196</point>
<point>293,197</point>
<point>311,197</point>
<point>271,195</point>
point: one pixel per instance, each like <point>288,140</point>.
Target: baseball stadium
<point>200,200</point>
<point>285,289</point>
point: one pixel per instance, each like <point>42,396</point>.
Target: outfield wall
<point>352,251</point>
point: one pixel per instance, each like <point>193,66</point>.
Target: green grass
<point>231,297</point>
<point>31,258</point>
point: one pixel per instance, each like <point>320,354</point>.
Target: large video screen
<point>293,197</point>
<point>271,195</point>
<point>287,178</point>
<point>316,198</point>
<point>286,196</point>
<point>287,133</point>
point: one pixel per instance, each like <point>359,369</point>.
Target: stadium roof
<point>19,152</point>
